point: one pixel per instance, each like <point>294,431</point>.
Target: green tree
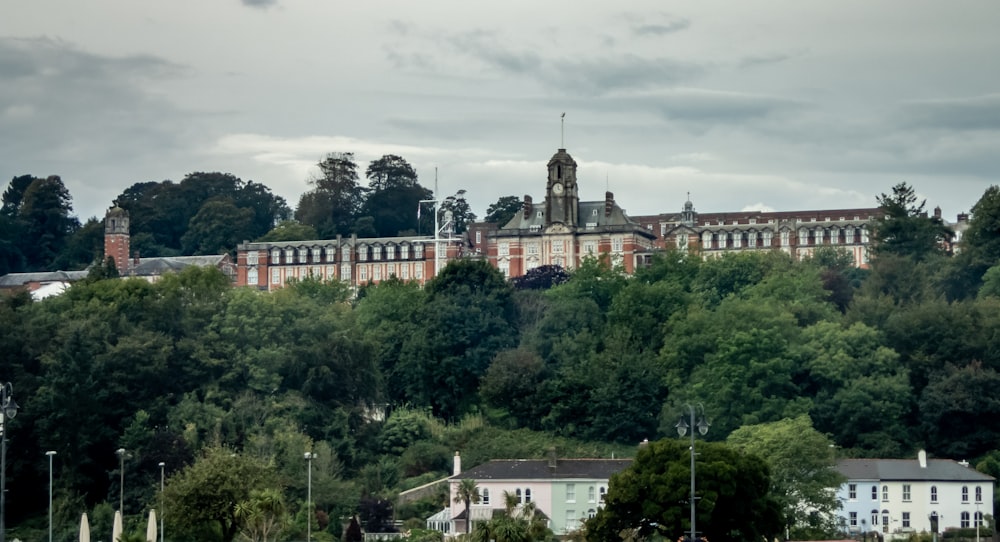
<point>904,229</point>
<point>803,478</point>
<point>332,206</point>
<point>390,172</point>
<point>734,500</point>
<point>467,494</point>
<point>289,230</point>
<point>517,523</point>
<point>959,411</point>
<point>503,210</point>
<point>46,222</point>
<point>217,228</point>
<point>205,496</point>
<point>263,515</point>
<point>456,210</point>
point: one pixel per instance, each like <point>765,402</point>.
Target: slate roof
<point>539,469</point>
<point>160,265</point>
<point>937,470</point>
<point>12,280</point>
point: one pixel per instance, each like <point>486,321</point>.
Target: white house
<point>566,491</point>
<point>896,497</point>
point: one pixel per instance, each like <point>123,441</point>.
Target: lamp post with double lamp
<point>162,467</point>
<point>309,489</point>
<point>702,426</point>
<point>51,454</point>
<point>8,409</point>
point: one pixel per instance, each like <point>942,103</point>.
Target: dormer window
<point>593,212</point>
<point>538,214</point>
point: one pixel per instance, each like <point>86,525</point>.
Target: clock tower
<point>561,196</point>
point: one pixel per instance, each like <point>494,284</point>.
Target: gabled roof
<point>539,469</point>
<point>937,470</point>
<point>12,280</point>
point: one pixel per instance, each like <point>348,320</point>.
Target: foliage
<point>517,523</point>
<point>458,211</point>
<point>263,515</point>
<point>734,497</point>
<point>467,494</point>
<point>289,230</point>
<point>336,199</point>
<point>904,229</point>
<point>503,210</point>
<point>210,492</point>
<point>542,277</point>
<point>803,479</point>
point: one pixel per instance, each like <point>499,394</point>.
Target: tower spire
<point>562,131</point>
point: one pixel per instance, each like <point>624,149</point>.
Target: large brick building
<point>562,230</point>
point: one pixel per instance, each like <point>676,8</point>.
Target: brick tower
<point>116,238</point>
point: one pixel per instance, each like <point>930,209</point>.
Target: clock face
<point>557,188</point>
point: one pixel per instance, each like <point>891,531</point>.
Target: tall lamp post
<point>702,426</point>
<point>162,466</point>
<point>309,489</point>
<point>51,454</point>
<point>8,409</point>
<point>121,483</point>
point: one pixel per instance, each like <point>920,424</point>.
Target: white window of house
<point>737,239</point>
<point>252,276</point>
<point>534,228</point>
<point>854,519</point>
<point>479,237</point>
<point>849,236</point>
<point>405,270</point>
<point>252,257</point>
<point>418,252</point>
<point>965,520</point>
<point>979,493</point>
<point>906,520</point>
<point>571,519</point>
<point>317,254</point>
<point>602,491</point>
<point>331,254</point>
<point>906,492</point>
<point>874,493</point>
<point>874,518</point>
<point>933,493</point>
<point>852,491</point>
<point>504,268</point>
<point>885,521</point>
<point>570,492</point>
<point>559,260</point>
<point>979,519</point>
<point>303,255</point>
<point>803,236</point>
<point>538,214</point>
<point>331,272</point>
<point>377,273</point>
<point>617,244</point>
<point>885,493</point>
<point>275,256</point>
<point>345,273</point>
<point>485,497</point>
<point>558,247</point>
<point>390,252</point>
<point>753,220</point>
<point>591,513</point>
<point>706,239</point>
<point>589,247</point>
<point>965,493</point>
<point>591,494</point>
<point>275,275</point>
<point>376,253</point>
<point>527,494</point>
<point>767,238</point>
<point>418,272</point>
<point>362,273</point>
<point>404,252</point>
<point>362,253</point>
<point>784,238</point>
<point>345,255</point>
<point>835,236</point>
<point>504,249</point>
<point>533,248</point>
<point>519,495</point>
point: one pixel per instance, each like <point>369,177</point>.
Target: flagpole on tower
<point>562,131</point>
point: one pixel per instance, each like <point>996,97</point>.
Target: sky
<point>745,105</point>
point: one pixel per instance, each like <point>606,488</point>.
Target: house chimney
<point>135,259</point>
<point>457,469</point>
<point>527,206</point>
<point>552,458</point>
<point>962,217</point>
<point>937,212</point>
<point>922,458</point>
<point>609,203</point>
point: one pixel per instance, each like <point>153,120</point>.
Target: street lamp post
<point>8,409</point>
<point>702,426</point>
<point>50,453</point>
<point>309,488</point>
<point>121,481</point>
<point>162,466</point>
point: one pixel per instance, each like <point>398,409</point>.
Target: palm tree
<point>468,493</point>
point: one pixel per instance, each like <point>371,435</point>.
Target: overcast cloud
<point>767,104</point>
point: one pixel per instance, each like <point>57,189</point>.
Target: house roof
<point>539,469</point>
<point>938,470</point>
<point>12,280</point>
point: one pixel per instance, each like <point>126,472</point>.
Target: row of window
<point>852,493</point>
<point>524,496</point>
<point>376,272</point>
<point>559,247</point>
<point>738,239</point>
<point>966,520</point>
<point>316,254</point>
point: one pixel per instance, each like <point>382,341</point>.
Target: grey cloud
<point>761,60</point>
<point>974,113</point>
<point>263,4</point>
<point>661,29</point>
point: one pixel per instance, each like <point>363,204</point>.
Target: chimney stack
<point>922,458</point>
<point>553,461</point>
<point>527,206</point>
<point>457,468</point>
<point>609,203</point>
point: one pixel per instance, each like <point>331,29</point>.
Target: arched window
<point>965,520</point>
<point>885,493</point>
<point>517,493</point>
<point>874,493</point>
<point>979,493</point>
<point>485,497</point>
<point>527,495</point>
<point>885,521</point>
<point>602,490</point>
<point>979,519</point>
<point>874,518</point>
<point>933,493</point>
